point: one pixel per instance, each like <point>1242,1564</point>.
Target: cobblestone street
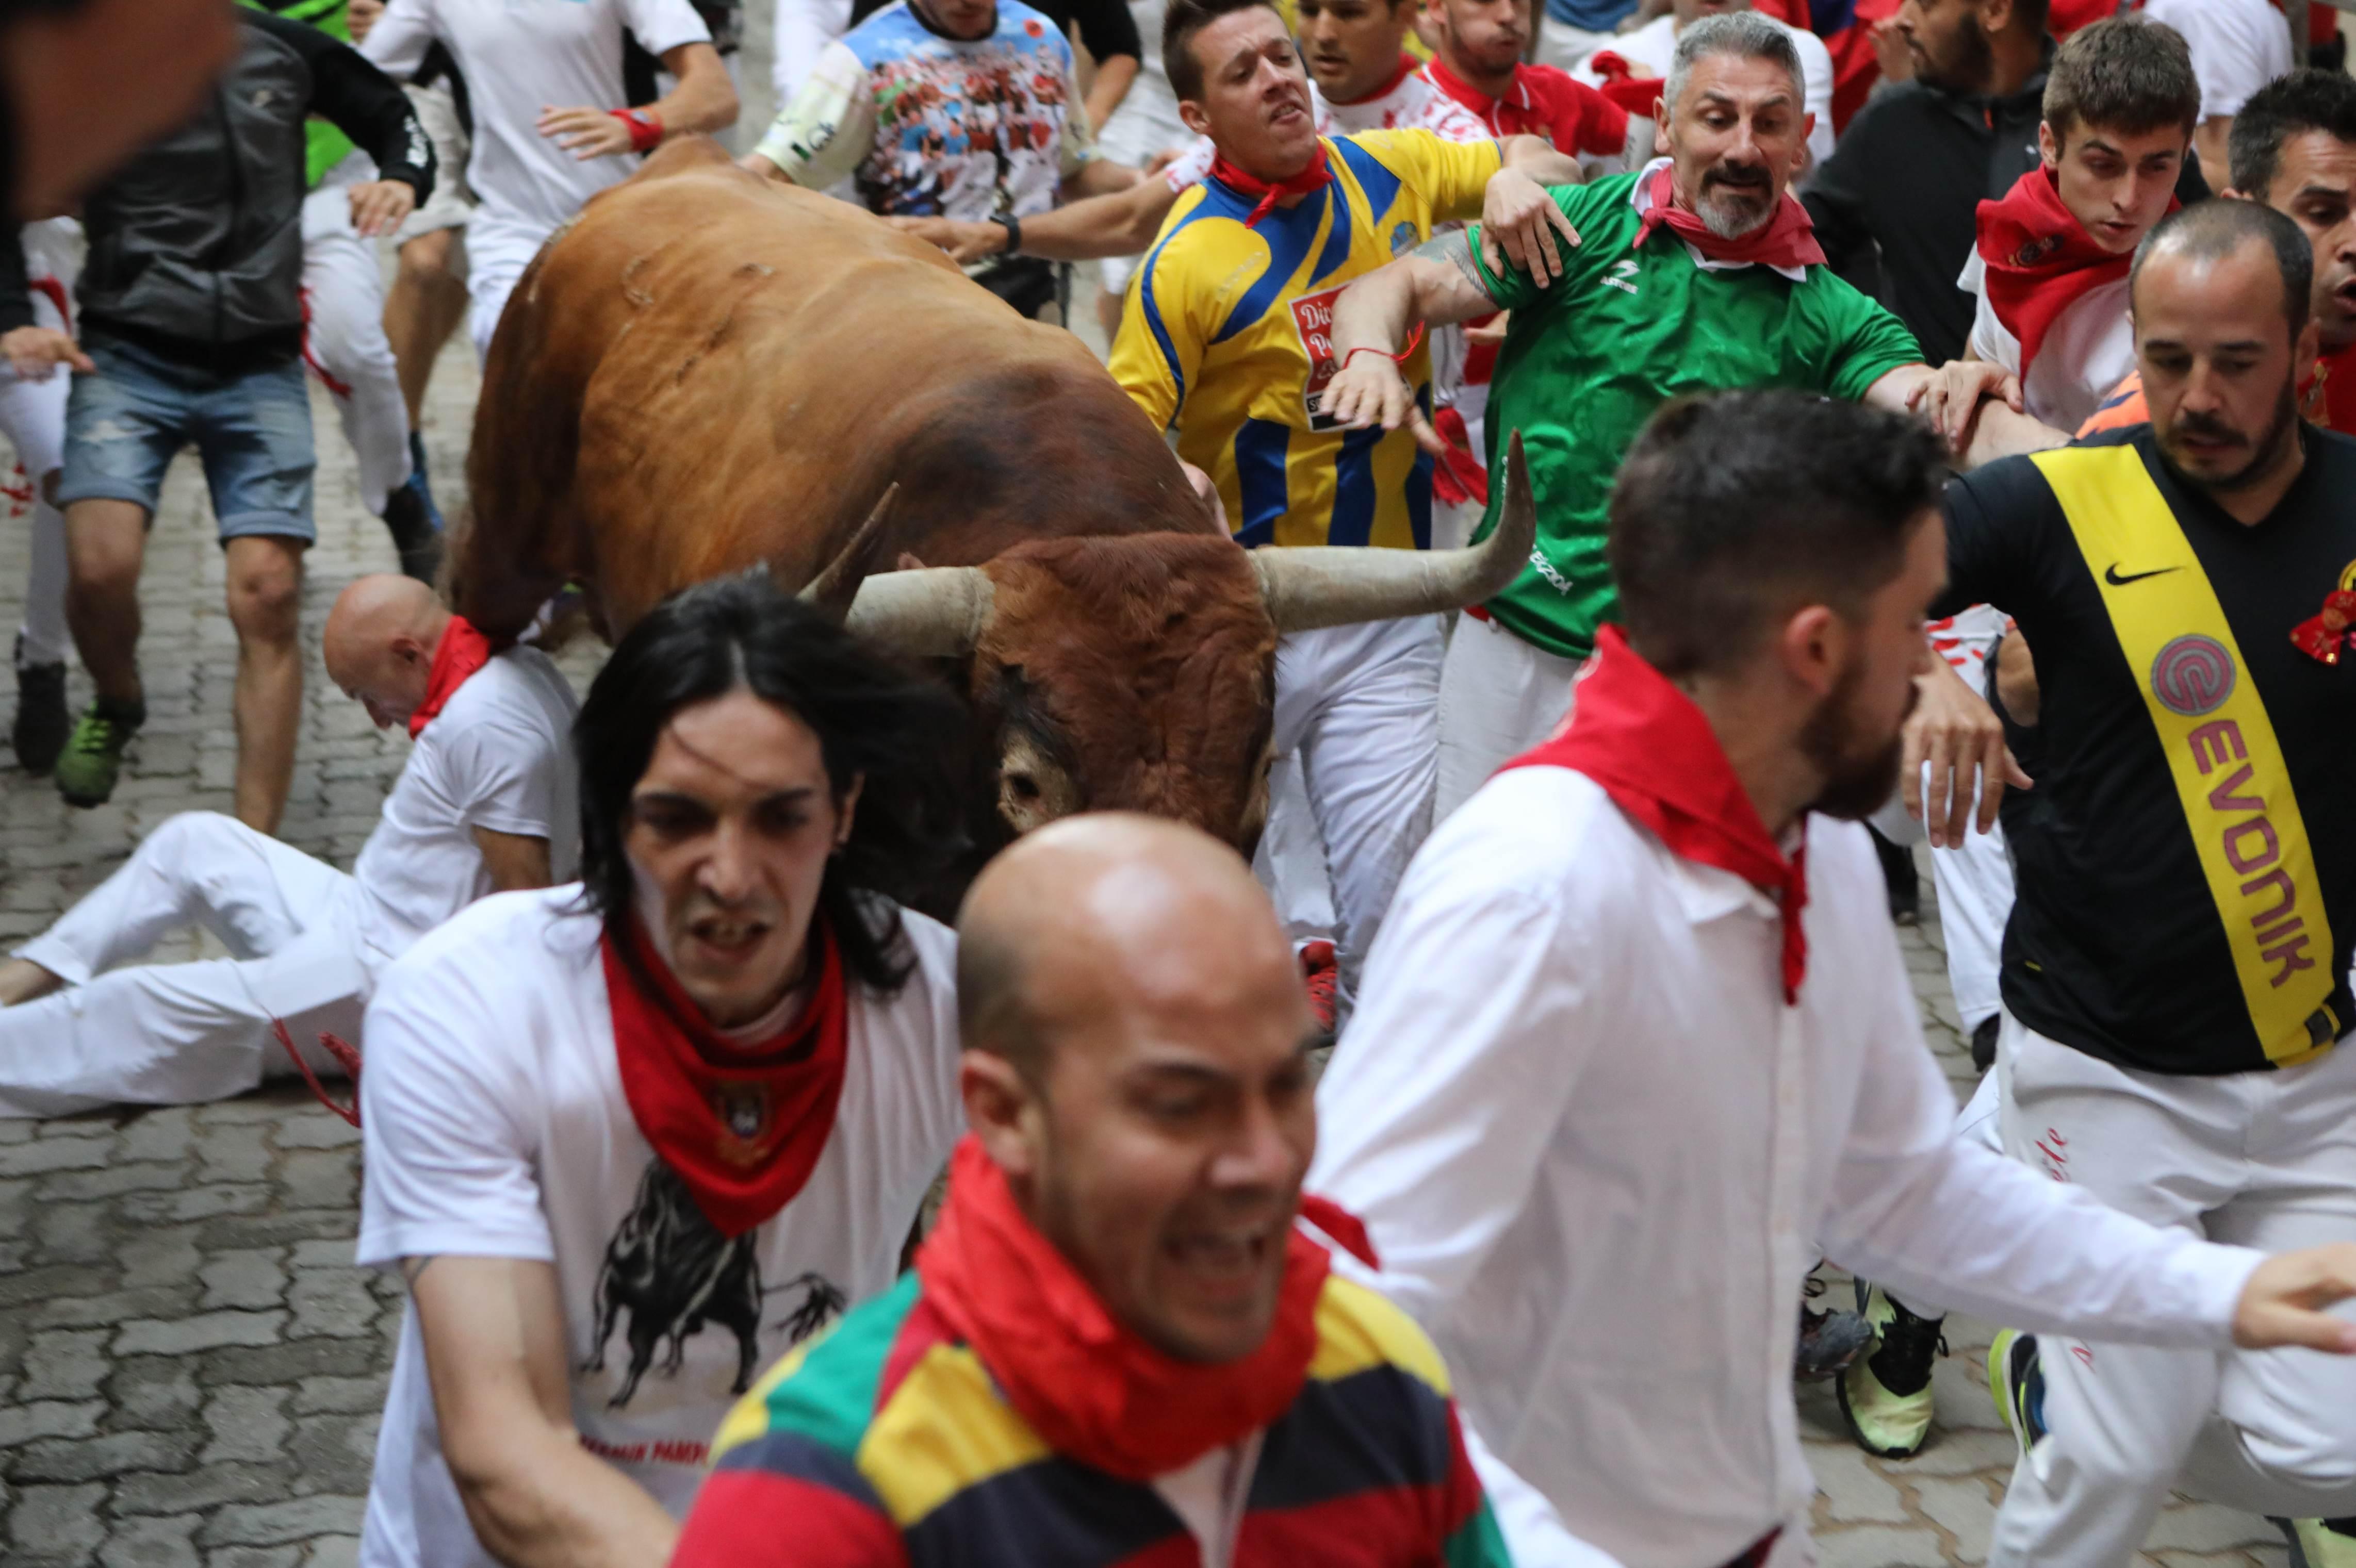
<point>190,1368</point>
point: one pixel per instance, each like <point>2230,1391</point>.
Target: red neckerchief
<point>1456,476</point>
<point>1622,87</point>
<point>1786,239</point>
<point>742,1126</point>
<point>1545,103</point>
<point>1657,758</point>
<point>1308,182</point>
<point>2041,259</point>
<point>1390,85</point>
<point>1086,1384</point>
<point>461,652</point>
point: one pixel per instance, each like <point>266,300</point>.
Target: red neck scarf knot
<point>461,650</point>
<point>1308,182</point>
<point>2041,259</point>
<point>1788,240</point>
<point>1656,755</point>
<point>741,1126</point>
<point>1085,1382</point>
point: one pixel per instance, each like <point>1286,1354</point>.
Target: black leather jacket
<point>195,244</point>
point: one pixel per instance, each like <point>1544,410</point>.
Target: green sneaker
<point>2017,1385</point>
<point>94,754</point>
<point>1885,1397</point>
<point>2319,1542</point>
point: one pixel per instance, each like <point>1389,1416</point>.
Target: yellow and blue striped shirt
<point>1227,336</point>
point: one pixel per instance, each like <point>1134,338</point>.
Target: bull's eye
<point>1023,785</point>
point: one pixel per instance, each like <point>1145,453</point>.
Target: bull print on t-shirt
<point>675,1274</point>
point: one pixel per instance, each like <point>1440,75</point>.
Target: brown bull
<point>707,371</point>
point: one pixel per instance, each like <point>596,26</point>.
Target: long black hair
<point>873,721</point>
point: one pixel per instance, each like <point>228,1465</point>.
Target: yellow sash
<point>2220,746</point>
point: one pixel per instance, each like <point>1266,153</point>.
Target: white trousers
<point>32,418</point>
<point>1498,698</point>
<point>804,28</point>
<point>1566,47</point>
<point>343,337</point>
<point>1357,706</point>
<point>172,1034</point>
<point>499,246</point>
<point>2260,1159</point>
<point>1290,860</point>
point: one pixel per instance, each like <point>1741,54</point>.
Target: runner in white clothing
<point>544,77</point>
<point>484,804</point>
<point>631,1139</point>
<point>33,389</point>
<point>1636,1038</point>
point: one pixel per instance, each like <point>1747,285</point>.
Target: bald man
<point>484,804</point>
<point>1126,1332</point>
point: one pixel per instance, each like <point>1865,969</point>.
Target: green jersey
<point>1587,359</point>
<point>327,146</point>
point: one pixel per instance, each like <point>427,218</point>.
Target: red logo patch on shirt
<point>1033,28</point>
<point>1312,318</point>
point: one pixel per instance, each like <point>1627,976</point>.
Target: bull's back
<point>708,369</point>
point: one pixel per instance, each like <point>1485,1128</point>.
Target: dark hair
<point>2212,230</point>
<point>1178,24</point>
<point>2030,16</point>
<point>1733,508</point>
<point>2307,100</point>
<point>874,721</point>
<point>2125,74</point>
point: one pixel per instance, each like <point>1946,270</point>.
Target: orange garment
<point>2330,400</point>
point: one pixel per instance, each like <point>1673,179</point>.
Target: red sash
<point>460,652</point>
<point>741,1126</point>
<point>1086,1383</point>
<point>1788,240</point>
<point>1654,754</point>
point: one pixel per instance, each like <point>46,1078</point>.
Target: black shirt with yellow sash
<point>2186,897</point>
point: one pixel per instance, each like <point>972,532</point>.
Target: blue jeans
<point>251,430</point>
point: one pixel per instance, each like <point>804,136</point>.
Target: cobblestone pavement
<point>189,1367</point>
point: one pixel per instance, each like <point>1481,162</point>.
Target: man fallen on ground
<point>484,804</point>
<point>1674,1049</point>
<point>1698,273</point>
<point>630,1138</point>
<point>1119,1344</point>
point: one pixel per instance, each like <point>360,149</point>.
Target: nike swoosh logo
<point>2112,576</point>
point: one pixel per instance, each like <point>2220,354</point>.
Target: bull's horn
<point>1307,587</point>
<point>832,590</point>
<point>937,613</point>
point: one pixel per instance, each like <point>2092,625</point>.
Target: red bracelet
<point>1413,340</point>
<point>646,128</point>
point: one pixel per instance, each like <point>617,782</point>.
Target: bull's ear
<point>836,585</point>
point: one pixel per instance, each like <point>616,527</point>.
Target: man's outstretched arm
<point>1438,283</point>
<point>1120,224</point>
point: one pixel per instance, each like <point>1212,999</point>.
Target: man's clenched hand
<point>380,207</point>
<point>966,242</point>
<point>35,352</point>
<point>1950,397</point>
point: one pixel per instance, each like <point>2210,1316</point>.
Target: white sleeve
<point>1988,338</point>
<point>661,25</point>
<point>804,28</point>
<point>1930,1214</point>
<point>2236,49</point>
<point>1444,1094</point>
<point>397,44</point>
<point>503,776</point>
<point>1191,167</point>
<point>448,1169</point>
<point>1535,1534</point>
<point>826,133</point>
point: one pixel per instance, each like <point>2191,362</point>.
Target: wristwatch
<point>1013,226</point>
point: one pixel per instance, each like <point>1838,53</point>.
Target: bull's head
<point>1137,671</point>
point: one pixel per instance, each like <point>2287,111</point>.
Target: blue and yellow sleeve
<point>1157,356</point>
<point>1451,177</point>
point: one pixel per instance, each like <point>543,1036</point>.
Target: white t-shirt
<point>2087,351</point>
<point>497,1127</point>
<point>1652,49</point>
<point>498,756</point>
<point>519,57</point>
<point>2238,47</point>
